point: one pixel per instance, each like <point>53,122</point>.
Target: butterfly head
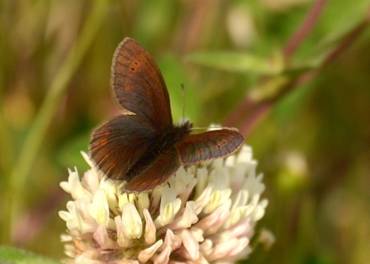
<point>186,124</point>
<point>180,131</point>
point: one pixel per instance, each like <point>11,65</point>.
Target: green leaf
<point>10,255</point>
<point>273,86</point>
<point>237,62</point>
<point>340,17</point>
<point>269,88</point>
<point>335,21</point>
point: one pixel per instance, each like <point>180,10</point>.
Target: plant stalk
<point>34,139</point>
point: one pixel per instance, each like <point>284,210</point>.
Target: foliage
<point>9,255</point>
<point>311,134</point>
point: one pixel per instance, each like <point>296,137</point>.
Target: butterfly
<point>142,146</point>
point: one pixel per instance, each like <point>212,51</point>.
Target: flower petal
<point>169,207</point>
<point>190,244</point>
<point>102,238</point>
<point>187,218</point>
<point>132,225</point>
<point>149,252</point>
<point>163,257</point>
<point>150,229</point>
<point>99,208</point>
<point>73,186</point>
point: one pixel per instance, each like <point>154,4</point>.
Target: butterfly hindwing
<point>165,164</point>
<point>119,143</point>
<point>212,144</point>
<point>139,86</point>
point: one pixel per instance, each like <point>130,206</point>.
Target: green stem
<point>44,117</point>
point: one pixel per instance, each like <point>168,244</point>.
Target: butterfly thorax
<point>165,141</point>
<point>172,135</point>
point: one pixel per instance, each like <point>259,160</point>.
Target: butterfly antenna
<point>184,100</point>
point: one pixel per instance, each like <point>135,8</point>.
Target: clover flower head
<point>203,214</point>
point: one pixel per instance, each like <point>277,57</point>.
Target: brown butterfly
<point>142,146</point>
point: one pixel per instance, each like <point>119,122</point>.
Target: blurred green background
<point>313,146</point>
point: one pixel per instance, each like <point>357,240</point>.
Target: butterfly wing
<point>139,86</point>
<point>208,145</point>
<point>118,144</point>
<point>192,149</point>
<point>159,171</point>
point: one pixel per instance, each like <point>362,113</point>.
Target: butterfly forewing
<point>139,85</point>
<point>195,148</point>
<point>118,144</point>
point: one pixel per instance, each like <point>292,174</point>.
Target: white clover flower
<point>203,214</point>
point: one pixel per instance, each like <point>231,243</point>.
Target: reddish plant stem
<point>304,29</point>
<point>194,23</point>
<point>250,112</point>
<point>244,109</point>
<point>348,40</point>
